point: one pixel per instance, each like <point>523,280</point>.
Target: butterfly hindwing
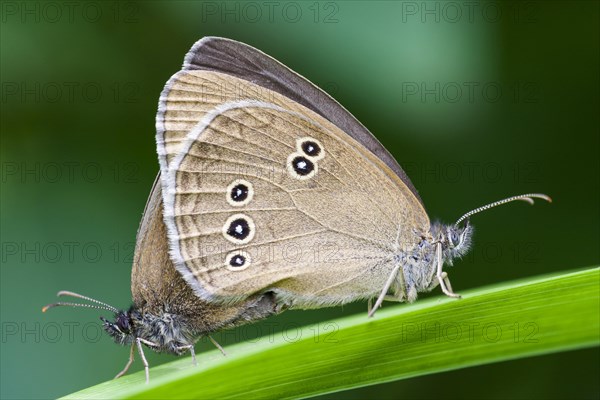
<point>270,185</point>
<point>323,237</point>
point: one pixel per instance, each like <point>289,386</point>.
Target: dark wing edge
<point>246,62</point>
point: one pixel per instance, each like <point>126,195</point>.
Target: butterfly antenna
<point>524,197</point>
<point>99,304</point>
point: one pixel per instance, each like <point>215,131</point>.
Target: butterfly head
<point>456,240</point>
<point>122,329</point>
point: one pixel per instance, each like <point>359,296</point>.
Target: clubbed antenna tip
<point>523,197</point>
<point>98,306</point>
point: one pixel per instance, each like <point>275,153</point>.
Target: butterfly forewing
<point>247,63</point>
<point>188,96</point>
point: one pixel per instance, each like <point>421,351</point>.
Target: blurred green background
<point>477,101</point>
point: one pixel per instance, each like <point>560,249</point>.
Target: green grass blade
<point>513,320</point>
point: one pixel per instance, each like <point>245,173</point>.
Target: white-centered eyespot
<point>311,148</point>
<point>239,193</point>
<point>301,167</point>
<point>239,229</point>
<point>238,261</point>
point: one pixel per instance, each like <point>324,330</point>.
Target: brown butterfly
<point>270,196</point>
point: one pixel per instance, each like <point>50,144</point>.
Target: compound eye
<point>122,323</point>
<point>455,239</point>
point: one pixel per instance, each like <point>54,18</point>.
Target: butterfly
<point>270,196</point>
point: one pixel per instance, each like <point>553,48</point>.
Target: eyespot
<point>301,167</point>
<point>239,193</point>
<point>311,148</point>
<point>239,229</point>
<point>238,261</point>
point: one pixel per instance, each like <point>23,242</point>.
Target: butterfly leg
<point>447,282</point>
<point>385,298</point>
<point>442,277</point>
<point>384,291</point>
<point>217,345</point>
<point>139,342</point>
<point>436,282</point>
<point>189,347</point>
<point>193,353</point>
<point>124,371</point>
